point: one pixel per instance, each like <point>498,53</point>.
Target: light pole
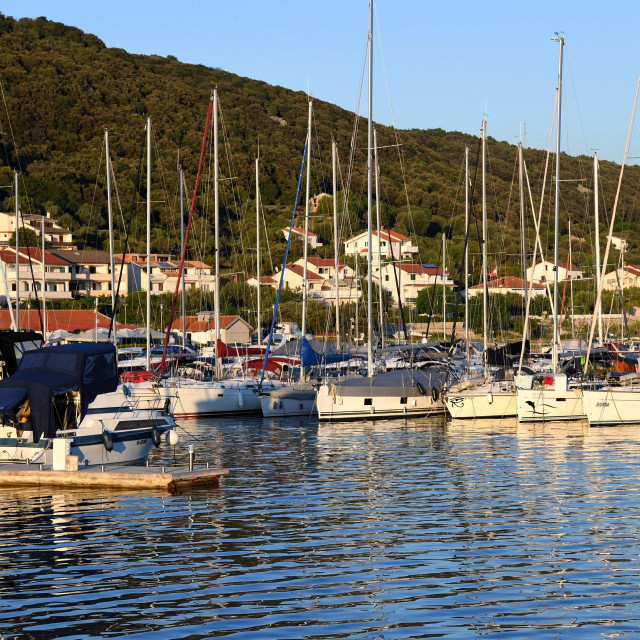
<point>161,318</point>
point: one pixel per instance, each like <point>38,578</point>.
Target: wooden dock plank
<point>142,478</point>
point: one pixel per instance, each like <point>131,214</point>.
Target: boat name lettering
<point>142,441</point>
<point>602,404</point>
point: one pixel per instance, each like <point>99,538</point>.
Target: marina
<point>273,368</point>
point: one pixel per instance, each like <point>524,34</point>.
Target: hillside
<point>63,87</point>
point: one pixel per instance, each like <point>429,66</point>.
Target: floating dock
<point>110,476</point>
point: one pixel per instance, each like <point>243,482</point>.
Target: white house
<point>91,271</point>
<point>294,277</point>
<point>201,329</point>
<point>410,279</point>
<point>629,276</point>
<point>165,272</point>
<point>320,279</point>
<point>619,243</point>
<point>508,284</point>
<point>544,272</point>
<point>57,274</point>
<point>55,235</point>
<point>314,241</point>
<point>326,268</point>
<point>392,244</point>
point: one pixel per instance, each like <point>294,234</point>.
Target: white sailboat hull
<point>481,402</point>
<point>412,394</point>
<point>189,399</point>
<point>612,406</point>
<point>289,401</point>
<point>545,405</point>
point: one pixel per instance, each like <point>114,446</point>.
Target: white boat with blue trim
<point>71,392</point>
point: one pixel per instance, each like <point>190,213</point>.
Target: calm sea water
<point>366,530</point>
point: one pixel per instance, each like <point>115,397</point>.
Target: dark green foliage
<point>63,87</point>
<point>27,238</point>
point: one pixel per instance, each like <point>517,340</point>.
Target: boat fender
<point>421,389</point>
<point>156,436</point>
<point>107,440</point>
<point>167,407</point>
<point>434,394</point>
<point>489,397</point>
<point>172,437</point>
<point>240,399</point>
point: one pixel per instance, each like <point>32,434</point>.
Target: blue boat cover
<point>44,373</point>
<point>11,398</point>
<point>310,358</point>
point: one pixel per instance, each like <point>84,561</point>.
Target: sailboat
<point>485,398</point>
<point>619,405</point>
<point>391,394</point>
<point>190,397</point>
<point>297,398</point>
<point>553,396</point>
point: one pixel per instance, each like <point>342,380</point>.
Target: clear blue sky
<point>447,62</point>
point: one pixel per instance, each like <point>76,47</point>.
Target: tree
<point>28,238</point>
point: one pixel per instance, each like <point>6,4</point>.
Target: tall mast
<point>216,224</point>
<point>377,174</point>
<point>369,198</point>
<point>597,238</point>
<point>466,256</point>
<point>148,244</point>
<point>305,286</point>
<point>485,288</point>
<point>110,219</point>
<point>560,40</point>
<point>183,284</point>
<point>523,226</point>
<point>44,284</point>
<point>258,328</point>
<point>15,175</point>
<point>444,291</point>
<point>336,269</point>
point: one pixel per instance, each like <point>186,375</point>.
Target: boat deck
<point>167,478</point>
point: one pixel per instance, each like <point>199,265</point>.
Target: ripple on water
<point>365,530</point>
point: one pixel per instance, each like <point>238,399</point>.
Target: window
<point>403,401</point>
<point>413,276</point>
<point>368,401</point>
<point>386,278</point>
<point>92,269</point>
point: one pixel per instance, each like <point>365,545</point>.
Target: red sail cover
<point>225,351</point>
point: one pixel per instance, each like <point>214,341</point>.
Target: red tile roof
<point>390,232</point>
<point>299,231</point>
<point>67,319</point>
<point>9,257</point>
<point>324,262</point>
<point>193,325</point>
<point>36,254</point>
<point>508,282</point>
<point>196,264</point>
<point>633,269</point>
<point>297,269</point>
<point>420,268</point>
<point>384,235</point>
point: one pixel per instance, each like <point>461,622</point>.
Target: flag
<point>494,272</point>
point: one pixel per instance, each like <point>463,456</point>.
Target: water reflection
<point>355,530</point>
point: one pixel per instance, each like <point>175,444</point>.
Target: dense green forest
<point>62,87</point>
